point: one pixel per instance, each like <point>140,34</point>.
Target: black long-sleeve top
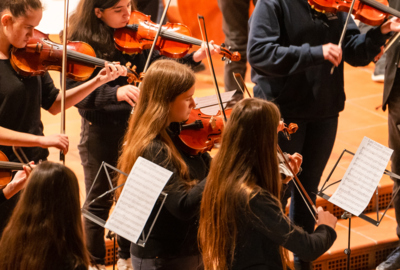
<point>101,106</point>
<point>175,231</point>
<point>288,66</point>
<point>261,234</point>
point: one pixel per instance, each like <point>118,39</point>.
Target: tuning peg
<point>223,58</point>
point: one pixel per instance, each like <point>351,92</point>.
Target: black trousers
<point>98,144</point>
<point>235,16</point>
<point>314,141</point>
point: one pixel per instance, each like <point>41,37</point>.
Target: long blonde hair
<point>163,82</point>
<point>45,229</point>
<point>245,165</point>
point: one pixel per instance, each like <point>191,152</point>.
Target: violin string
<point>84,58</point>
<point>180,37</point>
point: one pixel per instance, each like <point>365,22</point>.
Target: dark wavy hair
<point>45,230</point>
<point>85,26</point>
<point>19,7</point>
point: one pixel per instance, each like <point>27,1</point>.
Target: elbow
<point>54,110</point>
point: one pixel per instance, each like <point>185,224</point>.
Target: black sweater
<point>175,231</point>
<point>288,67</point>
<point>261,234</point>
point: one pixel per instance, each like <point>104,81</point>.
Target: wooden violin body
<point>140,34</point>
<point>174,41</point>
<point>200,132</point>
<point>361,11</point>
<point>41,54</point>
<point>6,169</point>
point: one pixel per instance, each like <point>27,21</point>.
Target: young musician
<point>292,49</point>
<point>166,99</point>
<point>106,111</point>
<point>45,230</point>
<point>242,224</point>
<point>22,98</point>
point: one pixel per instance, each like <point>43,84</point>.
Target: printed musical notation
<point>209,104</point>
<point>142,188</point>
<point>362,177</point>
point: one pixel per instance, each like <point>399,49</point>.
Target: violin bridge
<point>213,122</point>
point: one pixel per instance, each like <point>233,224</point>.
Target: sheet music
<point>141,190</point>
<point>362,177</point>
<point>209,104</point>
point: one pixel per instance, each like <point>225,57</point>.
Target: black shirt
<point>175,231</point>
<point>20,103</point>
<point>261,234</point>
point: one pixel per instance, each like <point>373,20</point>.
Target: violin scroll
<point>235,56</point>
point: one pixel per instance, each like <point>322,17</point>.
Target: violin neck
<point>14,166</point>
<point>381,7</point>
<point>171,35</point>
<point>85,59</point>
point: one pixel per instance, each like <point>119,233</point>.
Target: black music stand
<point>85,212</point>
<point>347,215</point>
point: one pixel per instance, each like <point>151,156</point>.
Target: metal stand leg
<point>347,251</point>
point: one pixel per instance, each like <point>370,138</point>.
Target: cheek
<point>115,21</point>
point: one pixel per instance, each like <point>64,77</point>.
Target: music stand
<point>85,212</point>
<point>347,215</point>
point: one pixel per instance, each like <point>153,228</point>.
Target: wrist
<point>196,57</point>
<point>385,28</point>
<point>8,190</point>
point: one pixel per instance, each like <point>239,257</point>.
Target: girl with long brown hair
<point>105,113</point>
<point>45,230</point>
<point>242,225</point>
<point>166,99</point>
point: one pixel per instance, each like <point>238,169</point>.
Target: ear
<point>6,19</point>
<point>98,12</point>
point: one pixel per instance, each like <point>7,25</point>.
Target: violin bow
<point>238,77</point>
<point>156,37</point>
<point>211,66</point>
<point>146,66</point>
<point>344,29</point>
<point>64,74</point>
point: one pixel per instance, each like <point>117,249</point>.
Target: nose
<point>127,11</point>
<point>30,33</point>
<point>192,103</point>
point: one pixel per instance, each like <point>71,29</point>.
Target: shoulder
<point>263,202</point>
<point>157,152</point>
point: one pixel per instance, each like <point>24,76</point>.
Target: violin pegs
<point>222,45</point>
<point>223,58</point>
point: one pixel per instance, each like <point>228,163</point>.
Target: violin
<point>201,132</point>
<point>174,41</point>
<point>370,12</point>
<point>41,54</point>
<point>6,168</point>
